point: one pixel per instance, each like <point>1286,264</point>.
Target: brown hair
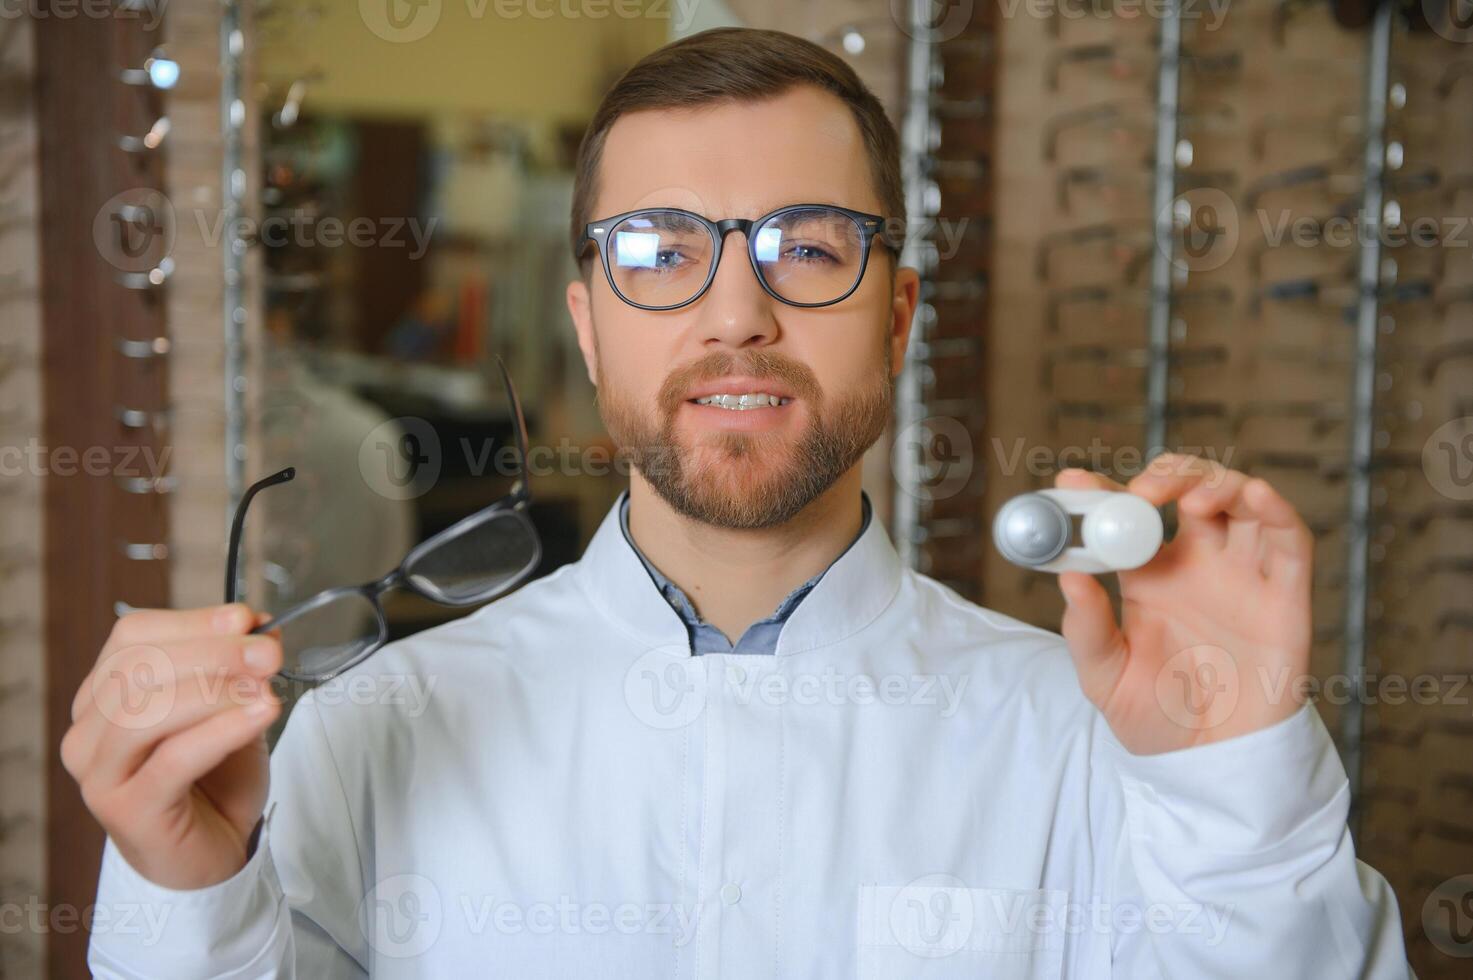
<point>743,65</point>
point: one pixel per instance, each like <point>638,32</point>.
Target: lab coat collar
<point>855,589</point>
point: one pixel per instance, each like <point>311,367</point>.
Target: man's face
<point>834,366</point>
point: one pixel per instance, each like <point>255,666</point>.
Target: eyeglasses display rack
<point>947,159</point>
<point>104,273</point>
<point>1241,235</point>
<point>22,657</point>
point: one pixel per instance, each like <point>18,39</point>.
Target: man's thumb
<point>1094,639</point>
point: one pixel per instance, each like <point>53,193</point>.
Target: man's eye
<point>664,260</point>
<point>807,253</point>
<point>660,261</point>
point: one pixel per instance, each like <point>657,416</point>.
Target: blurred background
<point>237,235</point>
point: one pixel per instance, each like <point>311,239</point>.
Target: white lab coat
<point>913,786</point>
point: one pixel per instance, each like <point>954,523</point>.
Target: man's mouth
<point>742,402</point>
<point>740,393</point>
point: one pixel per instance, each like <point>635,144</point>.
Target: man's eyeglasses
<point>803,254</point>
<point>472,561</point>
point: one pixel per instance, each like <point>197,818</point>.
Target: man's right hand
<point>168,740</point>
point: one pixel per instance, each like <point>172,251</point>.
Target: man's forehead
<point>737,159</point>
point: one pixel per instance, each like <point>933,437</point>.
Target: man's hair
<point>737,64</point>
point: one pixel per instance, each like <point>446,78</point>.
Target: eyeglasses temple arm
<point>519,429</point>
<point>232,555</point>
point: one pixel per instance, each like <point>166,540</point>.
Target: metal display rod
<point>1158,341</point>
<point>1363,390</point>
<point>910,408</point>
<point>233,184</point>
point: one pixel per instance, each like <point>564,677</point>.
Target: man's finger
<point>1225,499</point>
<point>1170,476</point>
<point>1075,478</point>
<point>187,757</point>
<point>1196,485</point>
<point>1288,541</point>
<point>130,675</point>
<point>120,751</point>
<point>1217,508</point>
<point>163,625</point>
<point>158,626</point>
<point>1094,639</point>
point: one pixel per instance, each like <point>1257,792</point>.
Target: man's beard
<point>747,480</point>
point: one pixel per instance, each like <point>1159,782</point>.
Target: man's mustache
<point>760,364</point>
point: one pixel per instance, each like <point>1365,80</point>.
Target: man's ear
<point>580,306</point>
<point>902,313</point>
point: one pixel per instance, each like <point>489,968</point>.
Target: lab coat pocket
<point>936,929</point>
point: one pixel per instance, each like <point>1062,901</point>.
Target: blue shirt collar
<point>761,637</point>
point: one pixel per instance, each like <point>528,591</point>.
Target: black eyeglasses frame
<point>516,503</point>
<point>871,228</point>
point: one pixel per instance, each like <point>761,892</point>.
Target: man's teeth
<point>757,399</point>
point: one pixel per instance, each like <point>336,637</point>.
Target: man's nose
<point>736,310</point>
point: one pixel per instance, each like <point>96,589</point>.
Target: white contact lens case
<point>1120,531</point>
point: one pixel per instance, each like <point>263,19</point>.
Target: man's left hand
<point>1215,630</point>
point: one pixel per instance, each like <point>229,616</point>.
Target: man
<point>738,738</point>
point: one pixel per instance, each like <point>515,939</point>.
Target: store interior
<point>1134,230</point>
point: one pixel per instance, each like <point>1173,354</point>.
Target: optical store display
<point>1249,237</point>
<point>23,746</point>
<point>1239,230</point>
<point>947,133</point>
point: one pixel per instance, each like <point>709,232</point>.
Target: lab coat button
<point>731,893</point>
<point>736,674</point>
